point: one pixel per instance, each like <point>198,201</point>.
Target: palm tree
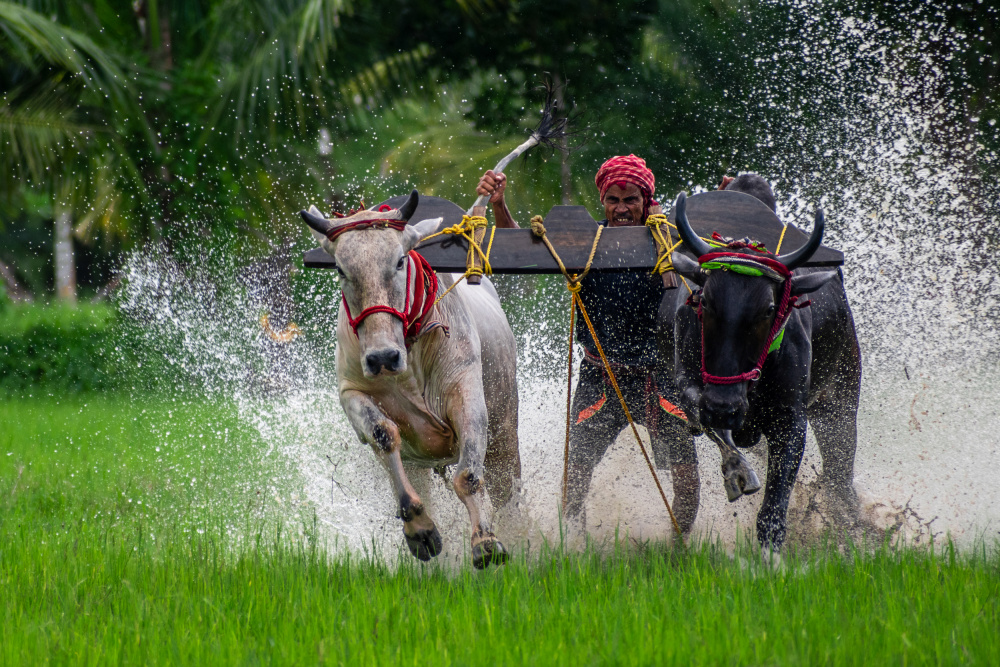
<point>60,97</point>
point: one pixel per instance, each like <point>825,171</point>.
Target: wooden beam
<point>571,230</point>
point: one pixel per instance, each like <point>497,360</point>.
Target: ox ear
<point>318,225</point>
<point>416,233</point>
<point>810,282</point>
<point>688,268</point>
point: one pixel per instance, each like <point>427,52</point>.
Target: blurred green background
<point>188,125</point>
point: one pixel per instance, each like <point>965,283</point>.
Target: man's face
<point>623,207</point>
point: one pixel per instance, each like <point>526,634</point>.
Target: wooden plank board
<point>737,215</point>
<point>571,230</point>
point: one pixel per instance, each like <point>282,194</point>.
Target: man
<point>623,309</point>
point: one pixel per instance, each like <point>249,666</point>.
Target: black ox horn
<point>792,260</point>
<point>797,258</point>
<point>687,234</point>
<point>407,209</point>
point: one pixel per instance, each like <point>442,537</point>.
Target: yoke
<point>571,230</point>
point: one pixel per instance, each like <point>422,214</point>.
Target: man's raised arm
<point>493,186</point>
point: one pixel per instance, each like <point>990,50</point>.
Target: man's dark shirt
<point>623,308</point>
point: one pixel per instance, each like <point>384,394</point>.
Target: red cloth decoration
<point>624,169</point>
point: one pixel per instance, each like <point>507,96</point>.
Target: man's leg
<point>673,447</point>
<point>596,419</point>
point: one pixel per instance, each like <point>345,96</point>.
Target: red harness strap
<point>421,277</point>
<point>398,225</point>
<point>788,302</point>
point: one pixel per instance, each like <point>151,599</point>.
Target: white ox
<point>428,384</point>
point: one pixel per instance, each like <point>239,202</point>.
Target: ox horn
<point>316,220</point>
<point>407,209</point>
<point>687,234</point>
<point>797,258</point>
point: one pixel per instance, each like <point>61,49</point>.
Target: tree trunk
<point>64,265</point>
<point>15,292</point>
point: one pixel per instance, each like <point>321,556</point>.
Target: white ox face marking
<point>372,264</point>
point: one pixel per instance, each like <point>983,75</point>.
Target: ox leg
<point>373,427</point>
<point>834,420</point>
<point>471,424</point>
<point>786,441</point>
<point>503,459</point>
<point>738,476</point>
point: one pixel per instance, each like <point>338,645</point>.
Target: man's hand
<point>492,185</point>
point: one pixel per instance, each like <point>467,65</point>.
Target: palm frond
<point>35,41</point>
<point>450,149</point>
<point>368,87</point>
<point>36,133</point>
<point>288,57</point>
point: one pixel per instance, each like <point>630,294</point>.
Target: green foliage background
<point>59,348</point>
<point>186,123</point>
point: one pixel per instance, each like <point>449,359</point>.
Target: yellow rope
<point>781,238</point>
<point>684,280</point>
<point>574,285</point>
<point>664,246</point>
<point>489,246</point>
<point>467,230</point>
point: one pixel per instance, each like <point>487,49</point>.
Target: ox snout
<point>723,410</point>
<point>389,361</point>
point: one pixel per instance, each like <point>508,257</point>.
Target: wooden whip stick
<point>548,131</point>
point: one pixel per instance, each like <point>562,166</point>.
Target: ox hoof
<point>424,544</point>
<point>490,550</point>
<point>740,480</point>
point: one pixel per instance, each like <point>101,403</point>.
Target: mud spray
<point>893,161</point>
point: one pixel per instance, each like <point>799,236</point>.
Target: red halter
<point>424,281</point>
<point>769,267</point>
<point>398,225</point>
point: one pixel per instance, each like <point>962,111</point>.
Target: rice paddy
<point>105,559</point>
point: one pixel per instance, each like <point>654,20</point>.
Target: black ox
<point>814,375</point>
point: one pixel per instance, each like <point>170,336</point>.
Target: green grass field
<point>88,575</point>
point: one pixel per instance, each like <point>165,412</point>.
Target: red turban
<point>622,170</point>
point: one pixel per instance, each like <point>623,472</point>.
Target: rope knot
<point>471,227</point>
<point>537,228</point>
<point>664,244</point>
<point>470,222</point>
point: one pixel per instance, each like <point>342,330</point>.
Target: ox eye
<point>770,310</point>
<point>401,263</point>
